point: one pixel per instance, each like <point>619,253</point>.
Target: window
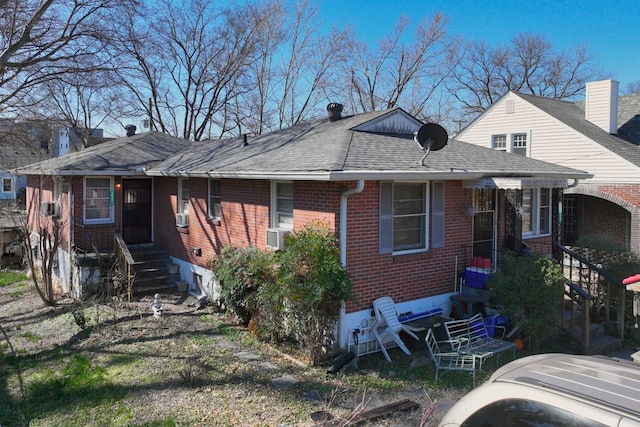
<point>512,143</point>
<point>522,412</point>
<point>536,212</point>
<point>98,200</point>
<point>404,214</point>
<point>215,199</point>
<point>183,196</point>
<point>500,142</point>
<point>283,204</point>
<point>7,185</point>
<point>520,144</point>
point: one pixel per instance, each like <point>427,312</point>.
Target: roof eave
<point>369,175</point>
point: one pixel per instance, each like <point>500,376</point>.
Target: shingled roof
<point>377,145</point>
<point>123,156</point>
<point>572,114</point>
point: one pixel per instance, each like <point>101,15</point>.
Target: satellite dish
<point>430,137</point>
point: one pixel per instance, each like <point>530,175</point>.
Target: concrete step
<point>152,271</point>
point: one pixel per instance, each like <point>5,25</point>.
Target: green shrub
<point>619,263</point>
<point>612,257</point>
<point>528,289</point>
<point>291,295</point>
<point>241,272</point>
<point>311,288</point>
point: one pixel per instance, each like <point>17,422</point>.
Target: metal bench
<point>475,339</point>
<point>450,360</point>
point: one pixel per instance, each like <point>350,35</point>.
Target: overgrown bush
<point>312,284</point>
<point>619,263</point>
<point>291,295</point>
<point>611,256</point>
<point>241,272</point>
<point>528,289</point>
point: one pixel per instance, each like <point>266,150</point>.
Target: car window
<point>520,412</point>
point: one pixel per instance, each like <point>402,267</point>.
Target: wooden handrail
<point>590,277</point>
<point>125,261</point>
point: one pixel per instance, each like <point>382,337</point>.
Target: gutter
<point>575,184</point>
<point>342,331</point>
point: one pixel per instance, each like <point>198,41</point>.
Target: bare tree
<point>294,73</point>
<point>633,87</point>
<point>41,41</point>
<point>42,258</point>
<point>186,66</point>
<point>400,73</point>
<point>309,73</point>
<point>530,64</point>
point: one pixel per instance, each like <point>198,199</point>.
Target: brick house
<point>407,219</point>
<point>600,135</point>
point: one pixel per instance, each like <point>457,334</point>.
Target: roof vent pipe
<point>244,140</point>
<point>131,130</point>
<point>335,111</point>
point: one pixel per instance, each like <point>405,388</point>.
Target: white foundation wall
<point>208,286</point>
<point>360,322</point>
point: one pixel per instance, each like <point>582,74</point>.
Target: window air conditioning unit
<point>49,209</point>
<point>276,238</point>
<point>182,220</point>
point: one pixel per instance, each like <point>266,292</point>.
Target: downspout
<point>69,231</point>
<point>342,332</point>
<point>575,183</point>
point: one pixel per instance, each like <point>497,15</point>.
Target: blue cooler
<point>476,277</point>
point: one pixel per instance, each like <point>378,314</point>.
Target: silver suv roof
<point>612,381</point>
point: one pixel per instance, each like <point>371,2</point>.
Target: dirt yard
<point>116,364</point>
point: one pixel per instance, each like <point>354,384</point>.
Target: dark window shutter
<point>385,228</point>
<point>437,215</point>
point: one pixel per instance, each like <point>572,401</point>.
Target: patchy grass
<point>12,277</point>
<point>126,368</point>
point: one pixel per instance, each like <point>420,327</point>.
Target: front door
<point>136,210</point>
<point>484,225</point>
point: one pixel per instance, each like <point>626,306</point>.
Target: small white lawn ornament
<point>156,306</point>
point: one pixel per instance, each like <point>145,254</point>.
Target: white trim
<point>111,218</point>
<point>219,196</point>
<point>179,208</point>
<point>274,203</point>
<point>426,216</point>
<point>515,183</point>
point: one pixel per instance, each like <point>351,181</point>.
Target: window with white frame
<point>7,185</point>
<point>520,144</point>
<point>183,196</point>
<point>512,143</point>
<point>98,200</point>
<point>536,212</point>
<point>282,204</point>
<point>499,142</point>
<point>404,211</point>
<point>215,199</point>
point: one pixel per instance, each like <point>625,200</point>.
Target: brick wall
<point>610,211</point>
<point>246,216</point>
<point>403,277</point>
<point>605,219</point>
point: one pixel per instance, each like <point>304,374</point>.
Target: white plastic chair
<point>387,327</point>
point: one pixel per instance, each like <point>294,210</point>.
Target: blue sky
<point>611,29</point>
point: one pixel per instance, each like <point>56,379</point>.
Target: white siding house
<point>579,135</point>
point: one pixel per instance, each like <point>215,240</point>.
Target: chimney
<point>131,130</point>
<point>601,105</point>
<point>335,111</point>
